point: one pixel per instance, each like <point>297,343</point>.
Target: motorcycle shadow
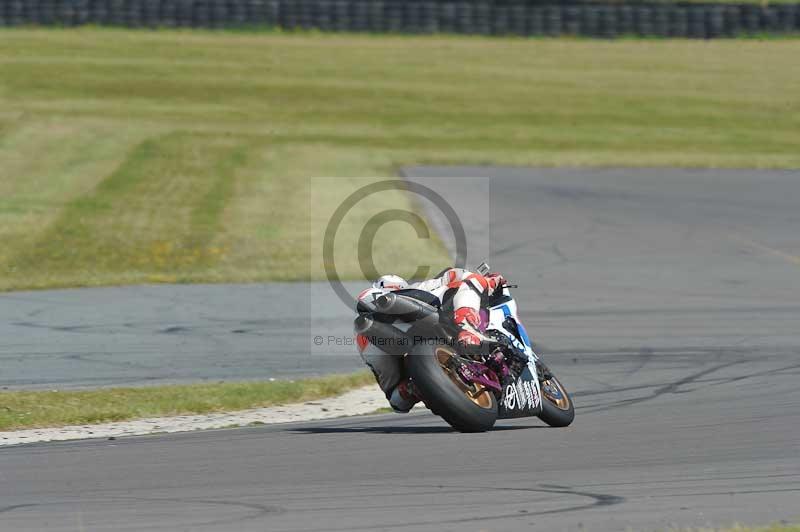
<point>403,429</point>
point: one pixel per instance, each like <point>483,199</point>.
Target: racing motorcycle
<point>470,391</point>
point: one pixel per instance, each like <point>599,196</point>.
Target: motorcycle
<point>470,391</point>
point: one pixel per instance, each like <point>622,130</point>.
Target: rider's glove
<point>495,281</point>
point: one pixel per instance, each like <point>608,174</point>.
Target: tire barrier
<point>475,17</point>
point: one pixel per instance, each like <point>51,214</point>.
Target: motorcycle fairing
<point>522,397</point>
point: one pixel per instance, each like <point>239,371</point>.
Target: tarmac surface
<point>164,334</point>
<point>667,301</point>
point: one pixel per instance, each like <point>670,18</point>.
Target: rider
<point>466,289</point>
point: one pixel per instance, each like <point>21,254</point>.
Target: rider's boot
<point>404,397</point>
<point>470,339</point>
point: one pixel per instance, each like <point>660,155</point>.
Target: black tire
<point>557,407</point>
<point>446,395</point>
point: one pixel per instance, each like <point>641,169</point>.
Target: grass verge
<point>176,156</point>
<point>34,409</point>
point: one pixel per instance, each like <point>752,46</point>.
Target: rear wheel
<point>466,407</point>
<point>557,407</point>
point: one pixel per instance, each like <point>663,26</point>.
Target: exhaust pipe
<point>384,336</point>
<point>407,309</point>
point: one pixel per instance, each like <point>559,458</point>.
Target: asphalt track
<point>668,302</point>
<point>143,335</point>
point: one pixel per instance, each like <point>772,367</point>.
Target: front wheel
<point>557,407</point>
<point>466,407</point>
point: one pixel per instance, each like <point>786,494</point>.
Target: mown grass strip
<point>158,211</point>
<point>32,409</point>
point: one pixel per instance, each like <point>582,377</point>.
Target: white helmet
<point>390,282</point>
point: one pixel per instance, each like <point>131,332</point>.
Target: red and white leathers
<point>469,288</point>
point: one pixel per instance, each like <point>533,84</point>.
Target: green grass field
<point>21,410</point>
<point>130,157</point>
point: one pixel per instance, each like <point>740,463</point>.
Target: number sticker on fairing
<point>521,395</point>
